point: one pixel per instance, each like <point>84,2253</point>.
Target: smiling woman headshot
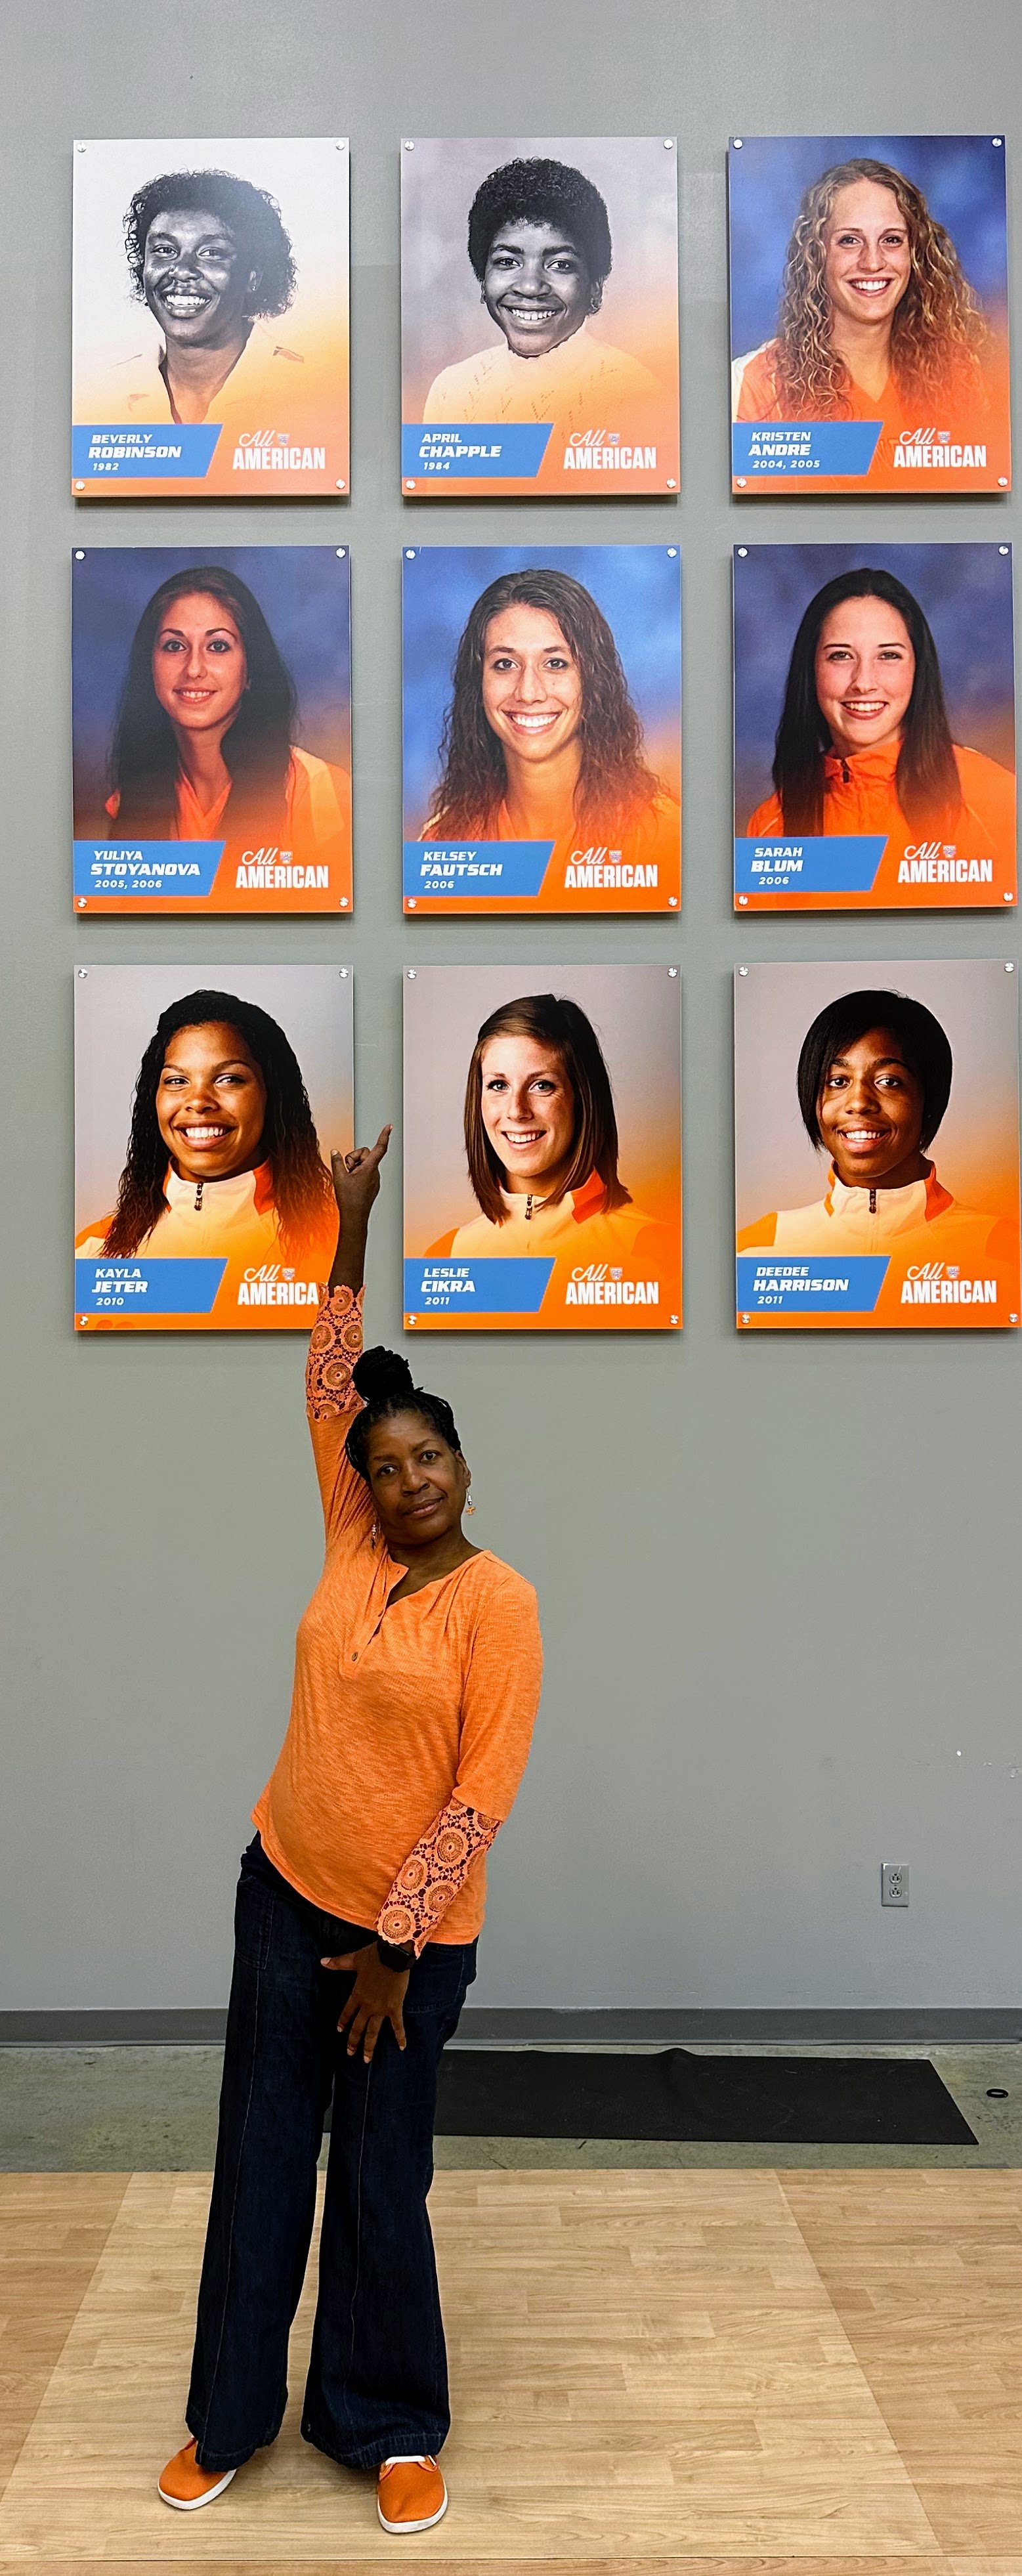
<point>864,744</point>
<point>541,1141</point>
<point>541,741</point>
<point>875,318</point>
<point>539,243</point>
<point>873,1082</point>
<point>203,745</point>
<point>223,1158</point>
<point>209,255</point>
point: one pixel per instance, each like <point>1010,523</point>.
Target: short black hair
<point>541,192</point>
<point>840,1024</point>
<point>250,213</point>
<point>385,1380</point>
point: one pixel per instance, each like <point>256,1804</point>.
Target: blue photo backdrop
<point>635,587</point>
<point>961,177</point>
<point>965,592</point>
<point>303,592</point>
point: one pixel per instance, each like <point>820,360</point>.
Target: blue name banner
<point>476,867</point>
<point>168,449</point>
<point>844,864</point>
<point>140,1287</point>
<point>473,449</point>
<point>769,1286</point>
<point>116,868</point>
<point>803,446</point>
<point>459,1287</point>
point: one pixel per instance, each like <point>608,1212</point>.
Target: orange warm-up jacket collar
<point>860,795</point>
<point>938,1199</point>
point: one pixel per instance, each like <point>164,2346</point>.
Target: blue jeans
<point>377,2380</point>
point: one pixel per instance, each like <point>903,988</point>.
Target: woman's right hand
<point>356,1179</point>
<point>356,1176</point>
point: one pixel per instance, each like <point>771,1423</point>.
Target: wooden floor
<point>812,2372</point>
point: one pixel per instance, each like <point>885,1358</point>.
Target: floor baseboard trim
<point>204,2028</point>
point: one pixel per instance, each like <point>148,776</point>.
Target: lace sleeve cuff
<point>432,1875</point>
<point>335,1345</point>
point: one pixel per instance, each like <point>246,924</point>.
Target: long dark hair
<point>926,779</point>
<point>302,1188</point>
<point>614,782</point>
<point>256,748</point>
<point>553,1022</point>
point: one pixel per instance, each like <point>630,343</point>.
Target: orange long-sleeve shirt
<point>410,1725</point>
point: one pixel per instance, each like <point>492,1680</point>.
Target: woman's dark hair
<point>256,748</point>
<point>249,213</point>
<point>614,783</point>
<point>554,1022</point>
<point>386,1382</point>
<point>926,779</point>
<point>541,192</point>
<point>302,1188</point>
<point>842,1023</point>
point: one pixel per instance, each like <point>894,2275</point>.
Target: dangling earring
<point>469,1504</point>
<point>374,1534</point>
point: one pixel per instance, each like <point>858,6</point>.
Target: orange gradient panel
<point>614,1269</point>
<point>869,314</point>
<point>242,652</point>
<point>625,859</point>
<point>952,1247</point>
<point>281,417</point>
<point>271,1223</point>
<point>854,664</point>
<point>608,388</point>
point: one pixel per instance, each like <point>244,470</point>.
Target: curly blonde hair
<point>938,331</point>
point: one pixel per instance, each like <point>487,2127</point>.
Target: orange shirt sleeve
<point>429,1880</point>
<point>765,818</point>
<point>500,1697</point>
<point>332,1402</point>
<point>757,399</point>
<point>760,1236</point>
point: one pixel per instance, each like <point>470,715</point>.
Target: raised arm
<point>336,1340</point>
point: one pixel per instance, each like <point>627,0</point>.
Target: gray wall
<point>779,1576</point>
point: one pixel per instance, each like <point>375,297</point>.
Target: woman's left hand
<point>377,1996</point>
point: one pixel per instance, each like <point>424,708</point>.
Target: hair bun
<point>380,1374</point>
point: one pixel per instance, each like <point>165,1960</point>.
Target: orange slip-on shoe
<point>184,2485</point>
<point>410,2494</point>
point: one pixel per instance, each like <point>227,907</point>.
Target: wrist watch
<point>395,1958</point>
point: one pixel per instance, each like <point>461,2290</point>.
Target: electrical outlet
<point>894,1882</point>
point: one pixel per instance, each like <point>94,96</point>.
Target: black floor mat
<point>675,2093</point>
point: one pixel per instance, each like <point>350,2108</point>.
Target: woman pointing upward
<point>417,1674</point>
